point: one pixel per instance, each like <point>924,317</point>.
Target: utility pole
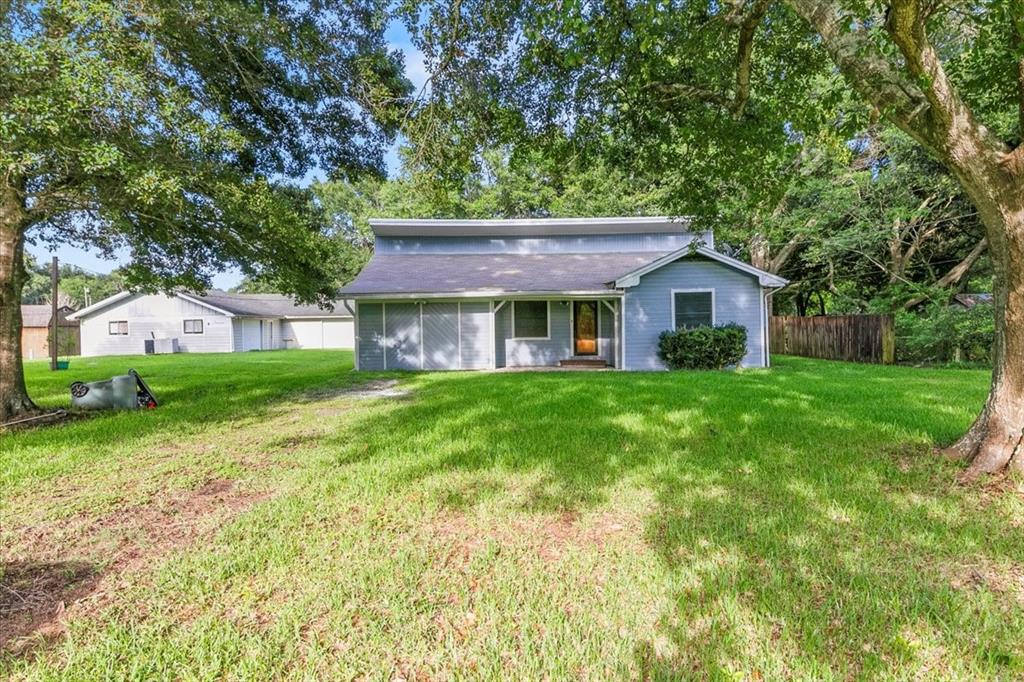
<point>53,314</point>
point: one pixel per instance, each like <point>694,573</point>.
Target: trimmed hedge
<point>703,347</point>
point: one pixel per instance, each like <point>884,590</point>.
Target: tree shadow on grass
<point>195,392</point>
<point>800,511</point>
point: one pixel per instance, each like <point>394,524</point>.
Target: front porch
<point>557,332</point>
<point>432,333</point>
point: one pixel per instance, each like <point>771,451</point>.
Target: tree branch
<point>744,52</point>
<point>747,23</point>
<point>955,274</point>
<point>866,68</point>
<point>776,264</point>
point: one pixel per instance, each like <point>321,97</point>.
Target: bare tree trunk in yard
<point>14,398</point>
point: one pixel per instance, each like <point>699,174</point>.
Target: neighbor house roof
<point>532,227</point>
<point>236,305</point>
<point>264,305</point>
<point>492,273</point>
<point>39,315</point>
<point>971,300</point>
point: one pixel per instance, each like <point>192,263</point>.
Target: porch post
<point>620,318</point>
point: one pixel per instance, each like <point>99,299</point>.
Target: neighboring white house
<point>214,322</point>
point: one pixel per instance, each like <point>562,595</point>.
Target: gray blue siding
<point>606,334</point>
<point>441,336</point>
<point>402,335</point>
<point>475,330</point>
<point>605,243</point>
<point>370,335</point>
<point>514,352</point>
<point>648,307</point>
<point>434,335</point>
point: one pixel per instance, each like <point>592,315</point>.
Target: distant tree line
<point>77,287</point>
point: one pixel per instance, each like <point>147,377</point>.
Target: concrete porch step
<point>596,363</point>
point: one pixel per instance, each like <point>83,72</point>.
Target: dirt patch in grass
<point>34,594</point>
<point>1003,578</point>
<point>377,388</point>
<point>549,536</point>
<point>39,592</point>
<point>293,442</point>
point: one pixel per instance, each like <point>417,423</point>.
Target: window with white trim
<point>530,320</point>
<point>693,309</point>
<point>117,328</point>
<point>193,326</point>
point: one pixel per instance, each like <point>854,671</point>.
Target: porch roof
<point>494,273</point>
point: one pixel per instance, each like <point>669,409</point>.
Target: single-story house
<point>214,322</point>
<point>475,294</point>
<point>35,331</point>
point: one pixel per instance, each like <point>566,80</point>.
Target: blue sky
<point>415,70</point>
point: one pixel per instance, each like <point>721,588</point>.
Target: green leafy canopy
<point>171,129</point>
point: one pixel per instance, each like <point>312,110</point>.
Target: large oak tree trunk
<point>14,398</point>
<point>995,442</point>
<point>918,96</point>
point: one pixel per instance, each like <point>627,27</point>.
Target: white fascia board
<point>418,227</point>
<point>99,305</point>
<point>317,317</point>
<point>765,279</point>
<point>519,295</point>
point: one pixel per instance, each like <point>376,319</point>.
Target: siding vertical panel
<point>369,345</point>
<point>606,333</point>
<point>440,336</point>
<point>403,336</point>
<point>502,331</point>
<point>475,335</point>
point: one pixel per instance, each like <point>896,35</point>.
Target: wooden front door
<point>584,325</point>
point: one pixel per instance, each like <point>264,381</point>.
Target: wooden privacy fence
<point>855,338</point>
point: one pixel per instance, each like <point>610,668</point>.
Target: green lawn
<point>789,523</point>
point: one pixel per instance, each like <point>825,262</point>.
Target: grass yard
<point>266,521</point>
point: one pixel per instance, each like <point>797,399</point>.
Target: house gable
<point>765,279</point>
<point>737,296</point>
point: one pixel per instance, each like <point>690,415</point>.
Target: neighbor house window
<point>193,326</point>
<point>118,328</point>
<point>693,308</point>
<point>530,319</point>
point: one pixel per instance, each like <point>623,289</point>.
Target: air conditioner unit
<point>165,346</point>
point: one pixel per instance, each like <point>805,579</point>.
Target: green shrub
<point>703,347</point>
<point>940,334</point>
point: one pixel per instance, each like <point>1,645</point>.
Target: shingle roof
<point>244,305</point>
<point>439,274</point>
<point>971,300</point>
<point>39,316</point>
<point>266,305</point>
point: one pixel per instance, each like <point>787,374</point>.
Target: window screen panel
<point>531,319</point>
<point>118,328</point>
<point>693,309</point>
<point>193,326</point>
